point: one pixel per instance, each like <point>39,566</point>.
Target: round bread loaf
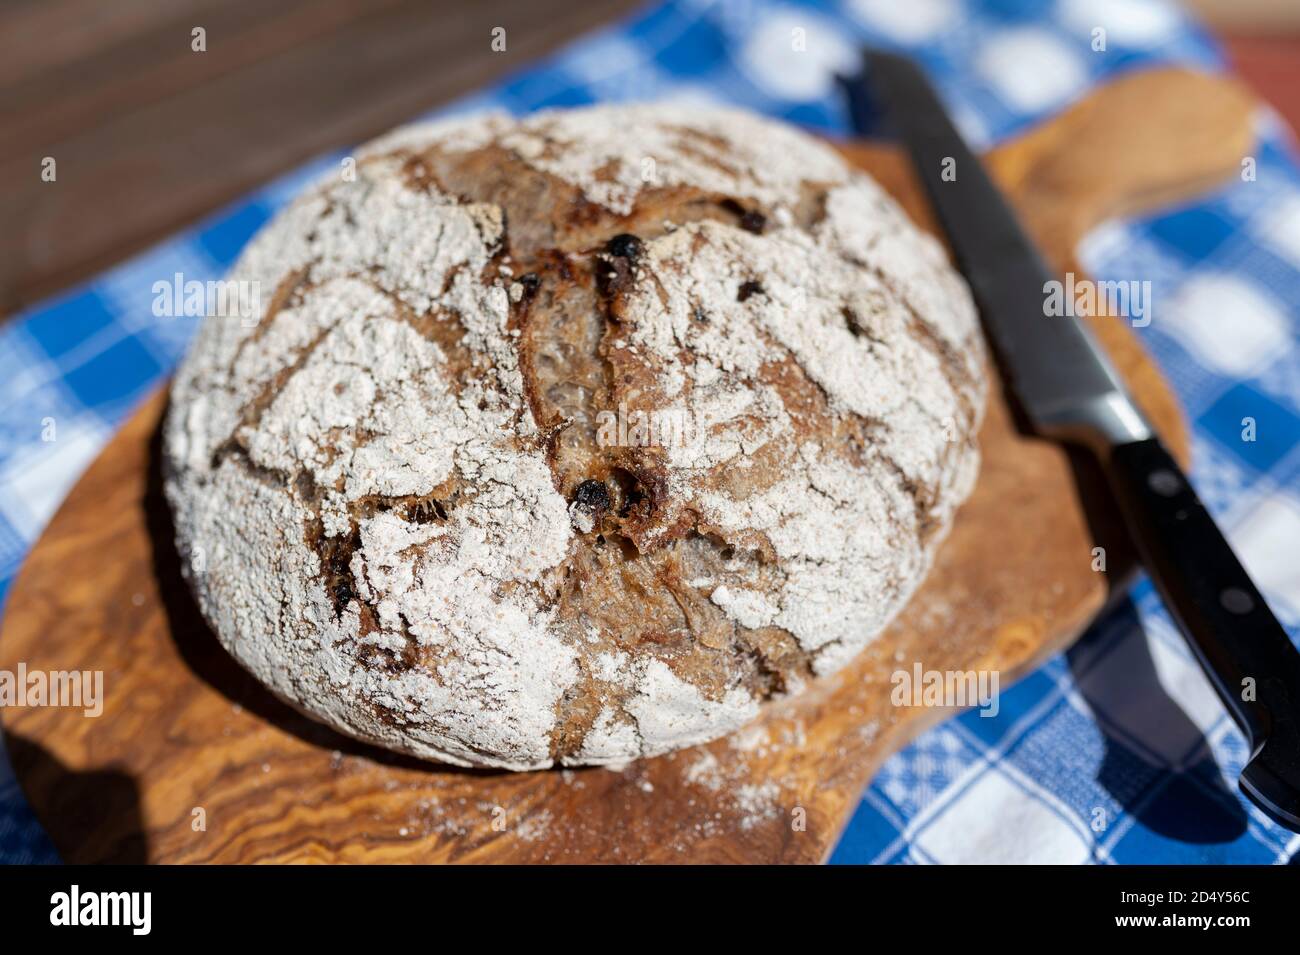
<point>572,439</point>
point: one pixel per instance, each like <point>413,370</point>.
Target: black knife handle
<point>1229,625</point>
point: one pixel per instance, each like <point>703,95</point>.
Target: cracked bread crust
<point>572,439</point>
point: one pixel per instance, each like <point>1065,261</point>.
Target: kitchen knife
<point>1068,391</point>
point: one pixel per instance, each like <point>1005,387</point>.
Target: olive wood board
<point>192,761</point>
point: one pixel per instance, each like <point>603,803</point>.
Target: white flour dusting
<point>365,502</point>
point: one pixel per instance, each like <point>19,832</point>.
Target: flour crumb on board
<point>705,771</point>
<point>752,739</point>
<point>757,802</point>
<point>738,781</point>
<point>534,827</point>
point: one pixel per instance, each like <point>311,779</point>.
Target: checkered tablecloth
<point>1116,751</point>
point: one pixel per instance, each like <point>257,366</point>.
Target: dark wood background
<point>149,135</point>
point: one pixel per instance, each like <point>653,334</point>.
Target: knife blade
<point>1068,391</point>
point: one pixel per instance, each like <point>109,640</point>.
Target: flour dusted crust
<point>403,497</point>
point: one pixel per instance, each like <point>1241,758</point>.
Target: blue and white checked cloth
<point>1116,751</point>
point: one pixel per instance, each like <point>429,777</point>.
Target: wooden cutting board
<point>191,761</point>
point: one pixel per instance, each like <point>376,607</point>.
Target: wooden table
<point>149,135</point>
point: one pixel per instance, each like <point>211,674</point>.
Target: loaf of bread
<point>572,439</point>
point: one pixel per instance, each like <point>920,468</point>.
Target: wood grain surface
<point>149,135</point>
<point>186,735</point>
